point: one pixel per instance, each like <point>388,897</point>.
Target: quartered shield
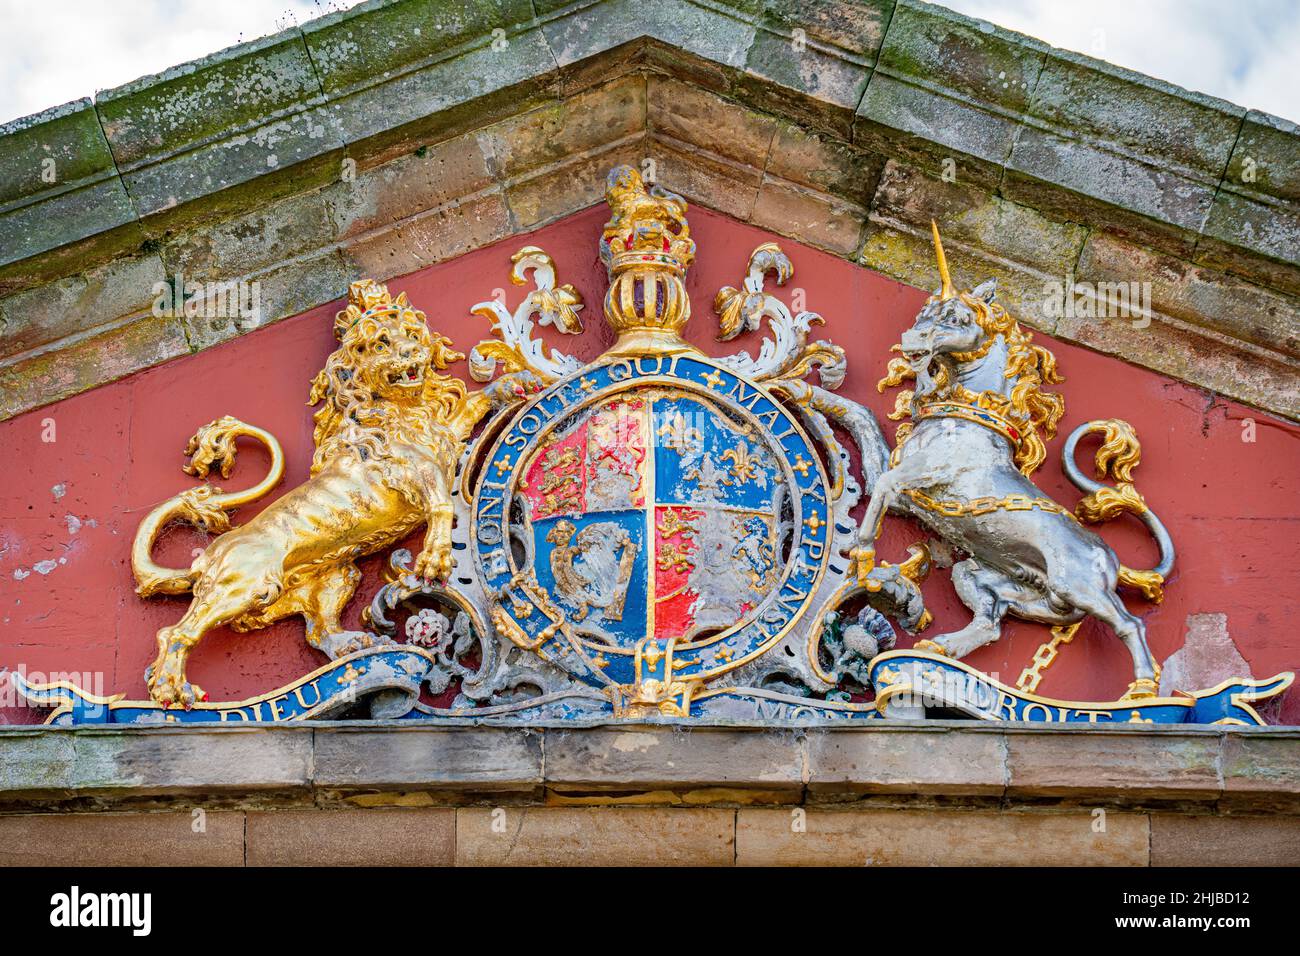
<point>662,505</point>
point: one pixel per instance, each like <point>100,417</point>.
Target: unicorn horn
<point>946,292</point>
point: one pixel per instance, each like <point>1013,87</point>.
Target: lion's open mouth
<point>410,375</point>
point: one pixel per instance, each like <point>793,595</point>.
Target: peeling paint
<point>635,743</point>
<point>1208,656</point>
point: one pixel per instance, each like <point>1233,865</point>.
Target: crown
<point>368,297</point>
<point>647,248</point>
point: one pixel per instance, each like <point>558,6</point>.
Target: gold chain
<point>1046,653</point>
<point>954,508</point>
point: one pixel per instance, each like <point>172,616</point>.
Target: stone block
<point>968,213</point>
<point>105,357</point>
<point>220,121</point>
<point>938,838</point>
<point>709,33</point>
<point>388,837</point>
<point>981,63</point>
<point>36,760</point>
<point>856,26</point>
<point>360,47</point>
<point>896,118</point>
<point>433,236</point>
<point>703,119</point>
<point>446,97</point>
<point>282,292</point>
<point>906,761</point>
<point>58,183</point>
<point>430,177</point>
<point>51,150</point>
<point>905,251</point>
<point>249,242</point>
<point>1192,840</point>
<point>153,761</point>
<point>568,186</point>
<point>466,758</point>
<point>237,89</point>
<point>1068,176</point>
<point>1259,225</point>
<point>1126,112</point>
<point>787,72</point>
<point>1204,358</point>
<point>1093,766</point>
<point>810,217</point>
<point>114,290</point>
<point>1262,767</point>
<point>562,131</point>
<point>1196,294</point>
<point>825,164</point>
<point>1266,157</point>
<point>168,838</point>
<point>605,836</point>
<point>704,178</point>
<point>647,758</point>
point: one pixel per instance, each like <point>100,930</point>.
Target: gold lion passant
<point>387,438</point>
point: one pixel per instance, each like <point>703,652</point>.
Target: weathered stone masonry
<point>898,793</point>
<point>397,134</point>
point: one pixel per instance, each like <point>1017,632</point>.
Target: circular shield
<point>655,515</point>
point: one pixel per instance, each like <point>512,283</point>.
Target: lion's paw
<point>434,565</point>
<point>343,643</point>
<point>171,689</point>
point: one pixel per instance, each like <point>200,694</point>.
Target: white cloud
<point>1244,52</point>
<point>61,50</point>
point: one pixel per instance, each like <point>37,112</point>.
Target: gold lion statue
<point>387,441</point>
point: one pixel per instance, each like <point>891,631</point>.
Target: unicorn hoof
<point>1141,689</point>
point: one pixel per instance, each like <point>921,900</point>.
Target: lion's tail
<point>204,507</point>
<point>1118,455</point>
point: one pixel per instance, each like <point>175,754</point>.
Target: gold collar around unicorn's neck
<point>975,354</point>
<point>971,413</point>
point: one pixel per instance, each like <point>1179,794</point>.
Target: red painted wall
<point>69,507</point>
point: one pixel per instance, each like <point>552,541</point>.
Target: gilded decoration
<point>660,534</point>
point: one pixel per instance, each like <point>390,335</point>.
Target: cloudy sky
<point>1242,50</point>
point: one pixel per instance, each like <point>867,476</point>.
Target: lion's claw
<point>434,566</point>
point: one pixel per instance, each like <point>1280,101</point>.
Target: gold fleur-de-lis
<point>678,436</point>
<point>743,464</point>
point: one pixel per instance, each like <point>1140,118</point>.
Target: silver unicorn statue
<point>979,419</point>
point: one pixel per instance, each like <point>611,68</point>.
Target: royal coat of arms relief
<point>660,534</point>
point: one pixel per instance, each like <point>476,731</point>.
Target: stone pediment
<point>380,140</point>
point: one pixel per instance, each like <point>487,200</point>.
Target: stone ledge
<point>887,764</point>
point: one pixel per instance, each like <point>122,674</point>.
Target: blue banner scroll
<point>911,684</point>
<point>393,674</point>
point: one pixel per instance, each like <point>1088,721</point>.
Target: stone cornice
<point>891,763</point>
<point>846,124</point>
